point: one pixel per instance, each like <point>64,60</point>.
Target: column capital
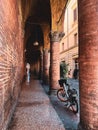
<point>46,50</point>
<point>56,36</point>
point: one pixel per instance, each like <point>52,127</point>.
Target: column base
<point>53,92</point>
<point>80,127</point>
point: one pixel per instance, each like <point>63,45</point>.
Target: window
<point>75,14</point>
<point>62,46</point>
<point>75,39</point>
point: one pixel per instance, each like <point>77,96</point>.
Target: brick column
<point>45,67</point>
<point>41,65</point>
<point>88,61</point>
<point>55,38</point>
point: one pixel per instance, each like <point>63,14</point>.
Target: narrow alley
<point>36,111</point>
<point>50,40</point>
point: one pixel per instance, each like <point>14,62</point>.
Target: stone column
<point>55,38</point>
<point>45,67</point>
<point>41,65</point>
<point>88,63</point>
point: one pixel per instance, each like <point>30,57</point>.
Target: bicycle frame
<point>65,89</point>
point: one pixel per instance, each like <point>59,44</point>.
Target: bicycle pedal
<point>68,106</point>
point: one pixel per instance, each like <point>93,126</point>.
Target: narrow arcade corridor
<point>32,32</point>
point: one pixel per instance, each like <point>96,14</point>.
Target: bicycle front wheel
<point>61,95</point>
<point>74,106</point>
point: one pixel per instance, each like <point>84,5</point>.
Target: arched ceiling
<point>37,11</point>
<point>42,13</point>
<point>36,15</point>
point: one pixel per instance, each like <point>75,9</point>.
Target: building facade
<point>69,44</point>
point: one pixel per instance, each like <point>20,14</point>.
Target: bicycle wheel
<point>74,106</point>
<point>61,95</point>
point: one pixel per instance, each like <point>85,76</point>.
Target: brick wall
<point>11,55</point>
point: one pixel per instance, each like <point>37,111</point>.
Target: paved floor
<point>35,111</point>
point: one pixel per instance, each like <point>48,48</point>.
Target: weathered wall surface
<point>11,64</point>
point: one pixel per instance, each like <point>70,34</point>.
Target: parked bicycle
<point>68,95</point>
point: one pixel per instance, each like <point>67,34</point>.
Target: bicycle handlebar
<point>61,81</point>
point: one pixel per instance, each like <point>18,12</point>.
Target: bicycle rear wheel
<point>61,95</point>
<point>74,106</point>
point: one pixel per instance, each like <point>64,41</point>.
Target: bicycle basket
<point>61,81</point>
<point>73,92</point>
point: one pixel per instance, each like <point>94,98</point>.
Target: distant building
<point>69,44</point>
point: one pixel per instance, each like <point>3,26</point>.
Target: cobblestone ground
<point>69,119</point>
<point>35,111</point>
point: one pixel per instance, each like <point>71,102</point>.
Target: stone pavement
<point>34,110</point>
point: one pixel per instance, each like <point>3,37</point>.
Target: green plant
<point>63,70</point>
